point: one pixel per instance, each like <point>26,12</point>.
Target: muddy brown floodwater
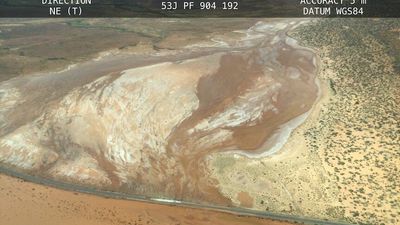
<point>281,74</point>
<point>149,130</point>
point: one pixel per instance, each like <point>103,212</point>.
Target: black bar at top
<point>153,8</point>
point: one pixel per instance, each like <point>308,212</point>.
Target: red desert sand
<point>25,203</point>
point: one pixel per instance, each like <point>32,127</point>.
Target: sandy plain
<point>27,203</point>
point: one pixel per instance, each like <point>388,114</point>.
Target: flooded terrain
<point>146,122</point>
<point>233,115</point>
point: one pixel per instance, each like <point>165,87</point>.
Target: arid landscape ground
<point>292,116</point>
<point>27,203</point>
<point>343,161</point>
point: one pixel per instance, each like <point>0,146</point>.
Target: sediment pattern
<point>148,129</point>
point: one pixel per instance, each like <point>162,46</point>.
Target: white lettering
<point>321,2</point>
<point>66,2</point>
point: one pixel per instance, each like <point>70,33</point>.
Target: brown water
<point>238,73</point>
<point>272,72</point>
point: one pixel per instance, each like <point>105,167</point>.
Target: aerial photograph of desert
<point>199,121</point>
